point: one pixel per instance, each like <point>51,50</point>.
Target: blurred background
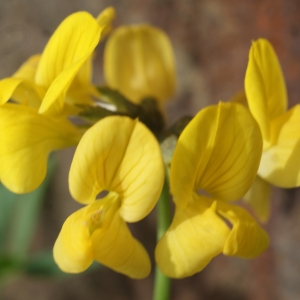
<point>211,40</point>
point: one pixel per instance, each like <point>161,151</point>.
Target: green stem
<point>162,283</point>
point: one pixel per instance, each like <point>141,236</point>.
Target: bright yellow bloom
<point>64,66</point>
<point>267,100</point>
<point>139,63</point>
<point>214,162</point>
<point>121,156</point>
<point>36,124</point>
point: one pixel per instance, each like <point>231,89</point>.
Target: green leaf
<point>19,216</point>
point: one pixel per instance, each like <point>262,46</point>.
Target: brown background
<point>211,39</point>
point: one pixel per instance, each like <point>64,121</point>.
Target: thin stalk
<point>162,283</point>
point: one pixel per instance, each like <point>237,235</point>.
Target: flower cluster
<point>119,167</point>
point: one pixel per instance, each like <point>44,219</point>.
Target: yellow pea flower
<point>72,65</point>
<point>36,125</point>
<point>267,100</point>
<point>139,63</point>
<point>121,156</point>
<point>214,163</point>
<point>65,61</point>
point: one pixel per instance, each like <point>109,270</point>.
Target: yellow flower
<point>64,66</point>
<point>214,163</point>
<point>139,63</point>
<point>36,124</point>
<point>122,157</point>
<point>267,100</point>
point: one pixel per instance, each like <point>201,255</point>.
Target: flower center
<point>102,210</point>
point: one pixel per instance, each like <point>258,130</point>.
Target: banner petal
<point>139,62</point>
<point>265,86</point>
<point>219,152</point>
<point>121,155</point>
<point>66,52</point>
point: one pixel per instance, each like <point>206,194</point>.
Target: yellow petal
<point>258,197</point>
<point>20,90</point>
<point>219,152</point>
<point>26,140</point>
<point>81,90</point>
<point>246,239</point>
<point>7,88</point>
<point>76,37</point>
<point>196,235</point>
<point>68,49</point>
<point>84,75</point>
<point>105,19</point>
<point>28,69</point>
<point>73,248</point>
<point>115,247</point>
<point>139,62</point>
<point>280,164</point>
<point>265,86</point>
<point>121,155</point>
<point>97,232</point>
